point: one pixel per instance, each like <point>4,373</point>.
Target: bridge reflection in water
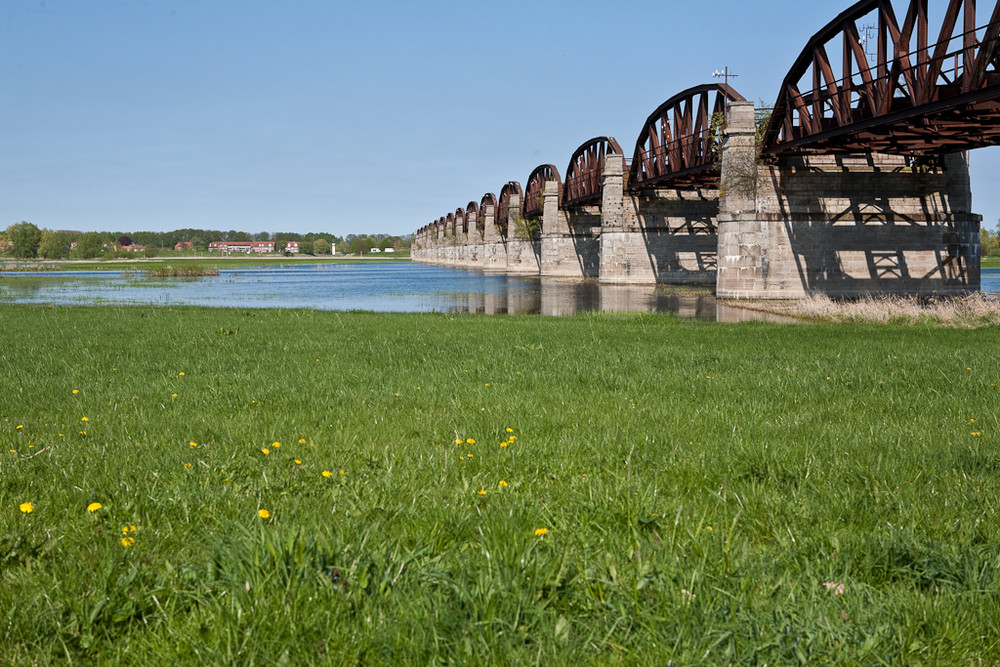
<point>554,296</point>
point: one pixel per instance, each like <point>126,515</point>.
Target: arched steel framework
<point>503,207</point>
<point>680,142</point>
<point>535,189</point>
<point>584,177</point>
<point>489,199</point>
<point>912,96</point>
<point>472,217</point>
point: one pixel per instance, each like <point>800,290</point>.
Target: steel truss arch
<point>584,176</point>
<point>918,97</point>
<point>504,210</point>
<point>473,218</point>
<point>679,144</point>
<point>535,190</point>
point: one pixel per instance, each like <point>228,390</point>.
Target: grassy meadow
<point>294,487</point>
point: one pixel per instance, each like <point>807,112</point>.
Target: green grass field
<point>991,262</point>
<point>494,490</point>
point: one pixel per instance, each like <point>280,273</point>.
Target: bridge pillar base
<point>842,225</point>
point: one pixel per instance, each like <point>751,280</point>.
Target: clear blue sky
<point>364,117</point>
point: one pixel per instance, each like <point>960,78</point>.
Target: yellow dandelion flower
<point>481,492</point>
<point>298,462</point>
<point>341,471</point>
<point>27,508</point>
<point>76,391</point>
<point>187,465</point>
<point>708,528</point>
<point>181,373</point>
<point>510,430</point>
<point>93,507</point>
<point>193,443</point>
<point>276,444</point>
<point>264,514</point>
<point>83,433</point>
<point>502,484</point>
<point>540,532</point>
<point>327,473</point>
<point>84,419</point>
<point>173,395</point>
<point>504,444</point>
<point>458,441</point>
<point>13,451</point>
<point>302,441</point>
<point>19,427</point>
<point>128,541</point>
<point>470,441</point>
<point>469,455</point>
<point>265,450</point>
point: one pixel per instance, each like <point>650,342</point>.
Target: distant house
<point>135,247</point>
<point>375,250</point>
<point>183,245</point>
<point>292,247</point>
<point>245,247</point>
<point>389,250</point>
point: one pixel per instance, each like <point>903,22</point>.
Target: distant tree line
<point>989,242</point>
<point>26,241</point>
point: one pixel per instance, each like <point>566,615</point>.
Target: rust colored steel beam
<point>472,217</point>
<point>679,144</point>
<point>504,210</point>
<point>584,177</point>
<point>918,97</point>
<point>536,189</point>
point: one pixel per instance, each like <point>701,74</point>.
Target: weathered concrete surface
<point>842,225</point>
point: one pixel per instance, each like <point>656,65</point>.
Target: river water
<point>382,287</point>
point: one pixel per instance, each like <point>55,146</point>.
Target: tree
<point>89,245</point>
<point>321,247</point>
<point>25,237</point>
<point>360,245</point>
<point>53,245</point>
<point>199,244</point>
<point>989,244</point>
<point>306,247</point>
<point>124,240</point>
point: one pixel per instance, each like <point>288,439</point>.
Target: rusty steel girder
<point>584,177</point>
<point>489,199</point>
<point>916,98</point>
<point>472,216</point>
<point>679,144</point>
<point>532,201</point>
<point>504,210</point>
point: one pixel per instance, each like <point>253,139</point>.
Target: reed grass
<point>969,311</point>
<point>674,492</point>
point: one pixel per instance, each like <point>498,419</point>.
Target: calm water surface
<point>396,287</point>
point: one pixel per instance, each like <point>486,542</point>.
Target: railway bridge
<point>856,182</point>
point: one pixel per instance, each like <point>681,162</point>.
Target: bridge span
<point>856,182</point>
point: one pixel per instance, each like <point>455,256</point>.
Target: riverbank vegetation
<point>242,486</point>
<point>24,240</point>
<point>209,261</point>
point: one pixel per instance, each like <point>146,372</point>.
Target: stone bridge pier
<point>841,225</point>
